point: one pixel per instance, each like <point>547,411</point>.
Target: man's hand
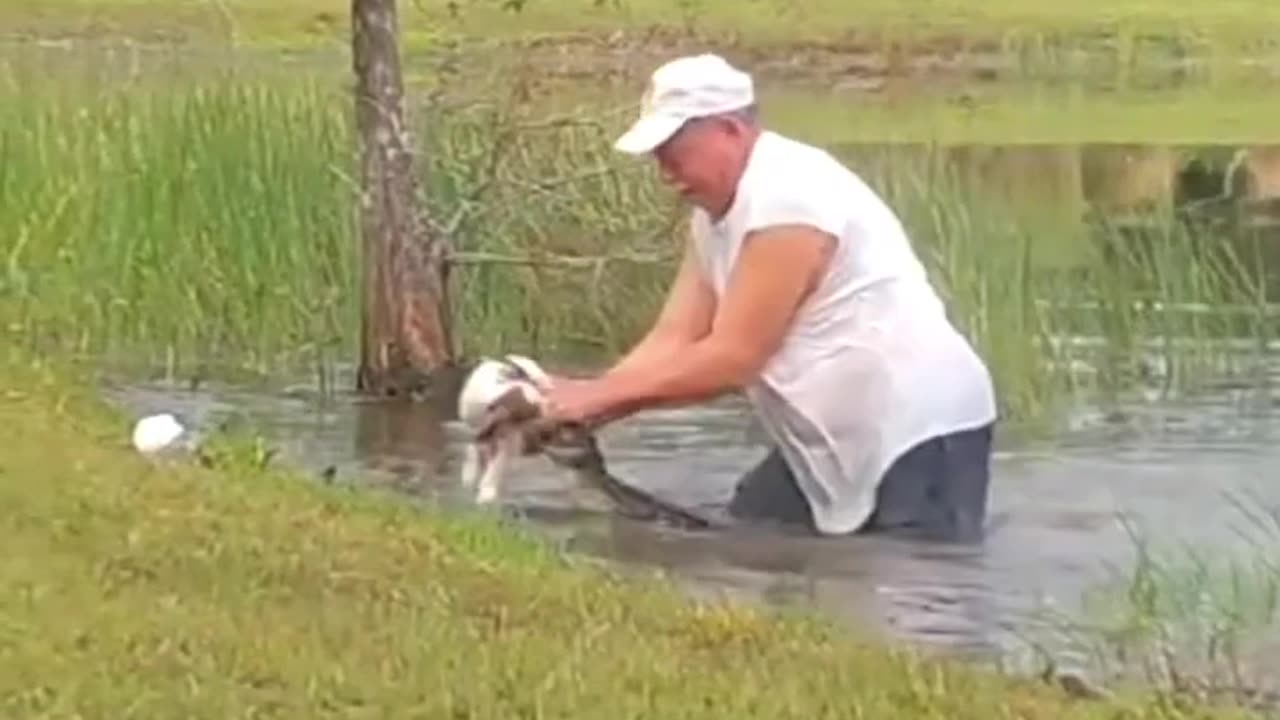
<point>685,318</point>
<point>574,400</point>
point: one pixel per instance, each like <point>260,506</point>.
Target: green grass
<point>163,590</point>
<point>150,223</point>
<point>282,22</point>
<point>822,19</point>
<point>1237,26</point>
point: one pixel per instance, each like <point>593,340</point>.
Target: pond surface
<point>1062,510</point>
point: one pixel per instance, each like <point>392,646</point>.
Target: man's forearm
<point>651,351</point>
<point>702,371</point>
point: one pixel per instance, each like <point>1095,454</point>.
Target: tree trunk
<point>405,334</point>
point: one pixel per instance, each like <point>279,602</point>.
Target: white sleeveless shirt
<point>871,365</point>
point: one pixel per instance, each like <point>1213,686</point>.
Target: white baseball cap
<point>681,90</point>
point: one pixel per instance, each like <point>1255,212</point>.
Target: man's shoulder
<point>791,182</point>
<point>801,172</point>
<point>790,165</point>
<point>784,148</point>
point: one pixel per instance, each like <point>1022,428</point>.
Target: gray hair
<point>748,115</point>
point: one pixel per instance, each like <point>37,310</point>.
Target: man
<point>800,287</point>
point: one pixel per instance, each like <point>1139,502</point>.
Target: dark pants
<point>937,490</point>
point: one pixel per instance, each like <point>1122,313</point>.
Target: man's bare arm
<point>777,270</point>
<point>684,319</point>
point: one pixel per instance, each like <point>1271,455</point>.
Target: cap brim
<point>648,133</point>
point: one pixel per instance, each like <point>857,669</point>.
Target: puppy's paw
<point>472,462</point>
<point>486,495</point>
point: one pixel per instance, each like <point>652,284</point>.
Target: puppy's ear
<point>530,371</point>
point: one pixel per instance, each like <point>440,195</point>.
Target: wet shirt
<point>871,365</point>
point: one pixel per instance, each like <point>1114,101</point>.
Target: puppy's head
<point>489,382</point>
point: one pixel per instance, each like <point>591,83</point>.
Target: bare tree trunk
<point>405,333</point>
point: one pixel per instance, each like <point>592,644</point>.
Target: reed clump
<point>1190,622</point>
<point>157,226</point>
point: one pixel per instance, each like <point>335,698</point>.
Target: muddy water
<point>1060,508</point>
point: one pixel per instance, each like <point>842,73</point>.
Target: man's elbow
<point>739,363</point>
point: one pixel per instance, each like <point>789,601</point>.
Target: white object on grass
<point>154,433</point>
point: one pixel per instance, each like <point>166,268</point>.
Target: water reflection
<point>1121,178</point>
<point>1105,178</point>
<point>404,442</point>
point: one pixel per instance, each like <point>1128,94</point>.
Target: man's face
<point>702,160</point>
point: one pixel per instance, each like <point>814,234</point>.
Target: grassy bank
<point>161,591</point>
<point>1132,26</point>
<point>783,20</point>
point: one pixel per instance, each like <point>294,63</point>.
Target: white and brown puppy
<point>502,402</point>
<point>497,403</point>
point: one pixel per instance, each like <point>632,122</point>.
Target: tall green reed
<point>179,223</point>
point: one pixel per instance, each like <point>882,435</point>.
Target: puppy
<point>502,402</point>
<point>498,402</point>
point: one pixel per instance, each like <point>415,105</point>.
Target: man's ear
<point>733,125</point>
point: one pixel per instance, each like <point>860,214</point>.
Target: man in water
<point>800,287</point>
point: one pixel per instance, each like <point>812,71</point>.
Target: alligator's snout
<point>572,447</point>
